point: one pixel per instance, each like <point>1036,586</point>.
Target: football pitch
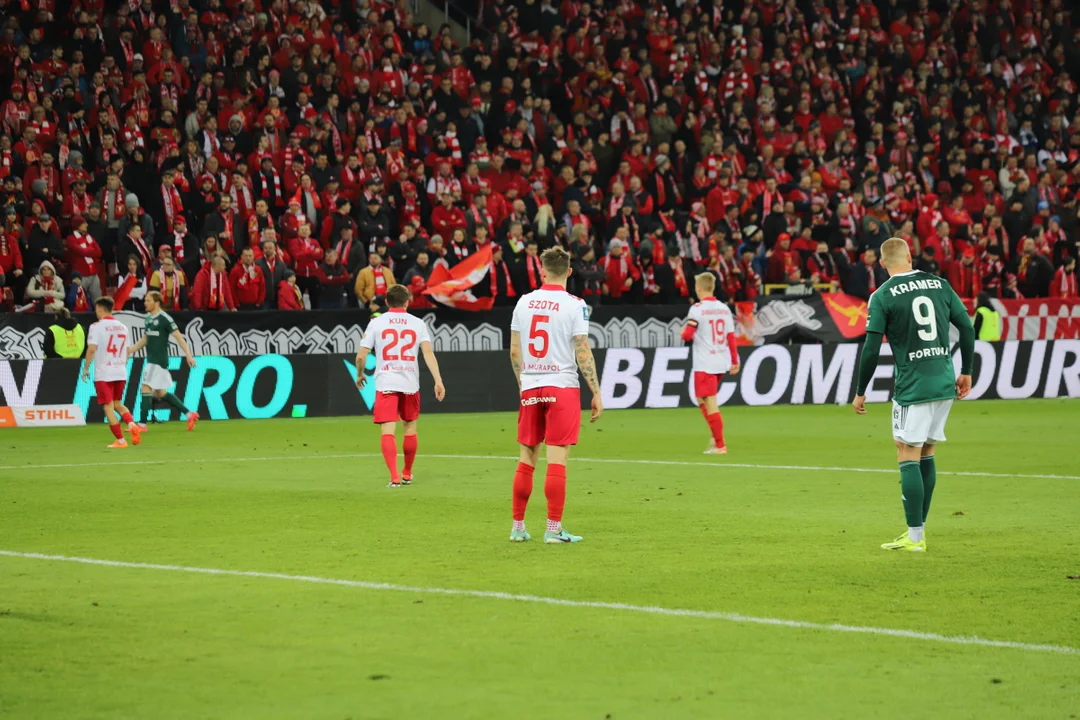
<point>261,569</point>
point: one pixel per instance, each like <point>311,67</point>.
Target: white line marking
<point>510,458</point>
<point>561,602</point>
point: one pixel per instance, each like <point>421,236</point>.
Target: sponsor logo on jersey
<point>525,402</point>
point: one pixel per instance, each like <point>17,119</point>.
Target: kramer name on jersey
<point>927,284</point>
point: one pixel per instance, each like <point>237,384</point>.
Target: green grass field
<point>684,532</point>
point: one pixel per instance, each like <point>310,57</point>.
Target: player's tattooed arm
<point>586,362</point>
<point>515,355</point>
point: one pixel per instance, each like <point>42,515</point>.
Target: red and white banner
<point>453,287</point>
<point>1037,318</point>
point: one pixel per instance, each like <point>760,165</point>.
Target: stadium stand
<point>772,142</point>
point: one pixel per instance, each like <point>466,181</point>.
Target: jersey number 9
<point>923,310</point>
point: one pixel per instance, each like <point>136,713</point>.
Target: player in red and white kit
<point>711,326</point>
<point>549,342</point>
<point>394,338</point>
<point>106,351</point>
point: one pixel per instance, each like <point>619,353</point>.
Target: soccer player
<point>110,336</point>
<point>711,327</point>
<point>914,309</point>
<point>556,329</point>
<point>394,337</point>
<point>156,380</point>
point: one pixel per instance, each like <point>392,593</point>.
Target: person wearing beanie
<point>84,257</point>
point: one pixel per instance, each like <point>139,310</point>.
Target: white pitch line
<point>509,458</point>
<point>562,602</point>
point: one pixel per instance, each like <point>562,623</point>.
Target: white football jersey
<point>110,359</point>
<point>394,338</point>
<point>712,351</point>
<point>548,319</point>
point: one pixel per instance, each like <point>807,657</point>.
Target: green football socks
<point>174,402</point>
<point>929,480</point>
<point>911,492</point>
<point>146,406</point>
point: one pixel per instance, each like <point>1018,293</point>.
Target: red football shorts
<point>550,415</point>
<point>706,384</point>
<point>394,406</point>
<point>109,391</point>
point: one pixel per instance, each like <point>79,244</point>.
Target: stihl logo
<point>32,414</point>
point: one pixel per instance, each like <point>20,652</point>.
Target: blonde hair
<point>894,251</point>
<point>706,281</point>
<point>556,262</point>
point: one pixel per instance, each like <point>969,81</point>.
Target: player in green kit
<point>914,309</point>
<point>156,380</point>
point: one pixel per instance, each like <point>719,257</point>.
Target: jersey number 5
<point>391,338</point>
<point>538,336</point>
<point>923,310</point>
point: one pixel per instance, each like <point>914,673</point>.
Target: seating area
<point>150,145</point>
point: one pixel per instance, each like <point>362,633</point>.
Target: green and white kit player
<point>156,380</point>
<point>914,309</point>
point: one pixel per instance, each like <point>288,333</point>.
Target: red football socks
<point>409,446</point>
<point>523,485</point>
<point>126,417</point>
<point>716,424</point>
<point>555,490</point>
<point>117,432</point>
<point>389,453</point>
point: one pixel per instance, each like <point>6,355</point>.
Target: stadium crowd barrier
<point>274,385</point>
<point>815,318</point>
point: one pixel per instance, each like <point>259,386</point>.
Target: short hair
<point>556,261</point>
<point>705,281</point>
<point>104,302</point>
<point>156,297</point>
<point>398,296</point>
<point>894,251</point>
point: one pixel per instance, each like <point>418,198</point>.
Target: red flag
<point>123,292</point>
<point>452,287</point>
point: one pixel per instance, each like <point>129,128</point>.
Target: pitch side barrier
<point>278,386</point>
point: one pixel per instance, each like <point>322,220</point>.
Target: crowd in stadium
<point>242,154</point>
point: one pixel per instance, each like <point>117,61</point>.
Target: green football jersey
<point>914,310</point>
<point>158,329</point>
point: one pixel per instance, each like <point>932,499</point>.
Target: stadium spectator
<point>289,296</point>
<point>247,282</point>
<point>45,289</point>
<point>135,276</point>
<point>274,267</point>
<point>211,289</point>
<point>373,281</point>
<point>334,279</point>
<point>170,281</point>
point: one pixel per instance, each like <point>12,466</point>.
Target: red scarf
<point>82,303</point>
<point>680,277</point>
<point>178,246</point>
<point>119,209</point>
<point>144,252</point>
<point>216,297</point>
<point>80,205</point>
<point>173,205</point>
<point>532,266</point>
<point>170,288</point>
<point>495,279</point>
<point>277,187</point>
<point>380,281</point>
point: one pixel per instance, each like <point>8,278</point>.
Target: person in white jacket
<point>46,288</point>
